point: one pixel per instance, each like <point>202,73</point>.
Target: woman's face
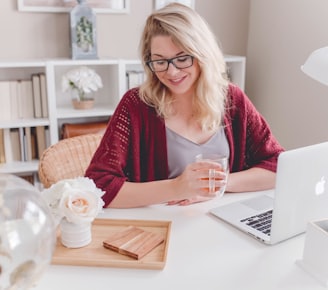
<point>178,81</point>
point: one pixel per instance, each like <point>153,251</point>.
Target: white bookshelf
<point>113,73</point>
<point>236,69</point>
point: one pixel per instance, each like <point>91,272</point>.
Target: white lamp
<point>316,66</point>
<point>314,261</point>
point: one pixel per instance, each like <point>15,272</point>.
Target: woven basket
<point>69,158</point>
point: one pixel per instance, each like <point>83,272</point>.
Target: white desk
<point>204,254</point>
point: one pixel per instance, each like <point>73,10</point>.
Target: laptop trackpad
<point>236,211</point>
<point>259,203</point>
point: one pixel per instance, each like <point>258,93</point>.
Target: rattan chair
<point>69,158</point>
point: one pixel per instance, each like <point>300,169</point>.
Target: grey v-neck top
<point>181,151</point>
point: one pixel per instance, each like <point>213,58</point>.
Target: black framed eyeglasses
<point>180,62</point>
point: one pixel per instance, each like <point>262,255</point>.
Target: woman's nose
<point>172,69</point>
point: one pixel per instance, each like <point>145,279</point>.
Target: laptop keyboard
<point>260,222</point>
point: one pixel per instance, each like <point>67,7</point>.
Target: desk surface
<point>204,253</point>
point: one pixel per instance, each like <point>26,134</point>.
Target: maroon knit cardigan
<point>133,147</point>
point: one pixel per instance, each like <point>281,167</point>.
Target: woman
<point>185,107</point>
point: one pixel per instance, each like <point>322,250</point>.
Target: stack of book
<point>23,144</point>
<point>26,98</point>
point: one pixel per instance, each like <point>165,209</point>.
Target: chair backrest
<point>69,158</point>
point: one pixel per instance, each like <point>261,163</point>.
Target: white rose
<point>78,199</point>
<point>80,206</point>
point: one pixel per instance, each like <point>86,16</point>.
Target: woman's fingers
<point>196,199</point>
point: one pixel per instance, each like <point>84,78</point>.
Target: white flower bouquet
<point>83,80</point>
<point>78,200</point>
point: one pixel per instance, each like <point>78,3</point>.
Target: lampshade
<point>316,66</point>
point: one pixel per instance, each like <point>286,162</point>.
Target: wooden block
<point>133,242</point>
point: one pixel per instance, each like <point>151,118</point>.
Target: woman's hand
<point>189,187</point>
<point>192,185</point>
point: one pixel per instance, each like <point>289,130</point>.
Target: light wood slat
<point>133,242</point>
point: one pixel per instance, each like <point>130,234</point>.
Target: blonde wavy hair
<point>189,31</point>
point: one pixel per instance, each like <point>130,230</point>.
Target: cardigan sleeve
<point>110,159</point>
<point>251,141</point>
<point>133,148</point>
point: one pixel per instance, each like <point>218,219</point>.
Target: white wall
<point>46,35</point>
<point>282,33</point>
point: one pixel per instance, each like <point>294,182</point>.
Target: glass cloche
<point>27,234</point>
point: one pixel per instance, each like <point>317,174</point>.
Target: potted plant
<point>81,82</point>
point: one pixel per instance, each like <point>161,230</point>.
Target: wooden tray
<point>96,255</point>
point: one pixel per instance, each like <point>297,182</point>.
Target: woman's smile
<point>177,81</point>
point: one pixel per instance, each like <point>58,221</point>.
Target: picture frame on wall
<point>99,6</point>
<point>161,3</point>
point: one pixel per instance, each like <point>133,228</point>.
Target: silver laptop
<point>300,196</point>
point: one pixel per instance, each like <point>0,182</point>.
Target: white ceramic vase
<point>75,235</point>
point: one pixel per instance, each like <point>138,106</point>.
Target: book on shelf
<point>44,96</point>
<point>15,144</point>
<point>20,100</point>
<point>47,133</point>
<point>27,144</point>
<point>14,110</point>
<point>7,150</point>
<point>12,145</point>
<point>41,139</point>
<point>2,146</point>
<point>36,88</point>
<point>21,144</point>
<point>34,148</point>
<point>25,99</point>
<point>5,107</point>
<point>24,143</point>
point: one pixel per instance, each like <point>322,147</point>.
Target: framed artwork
<point>99,6</point>
<point>160,3</point>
